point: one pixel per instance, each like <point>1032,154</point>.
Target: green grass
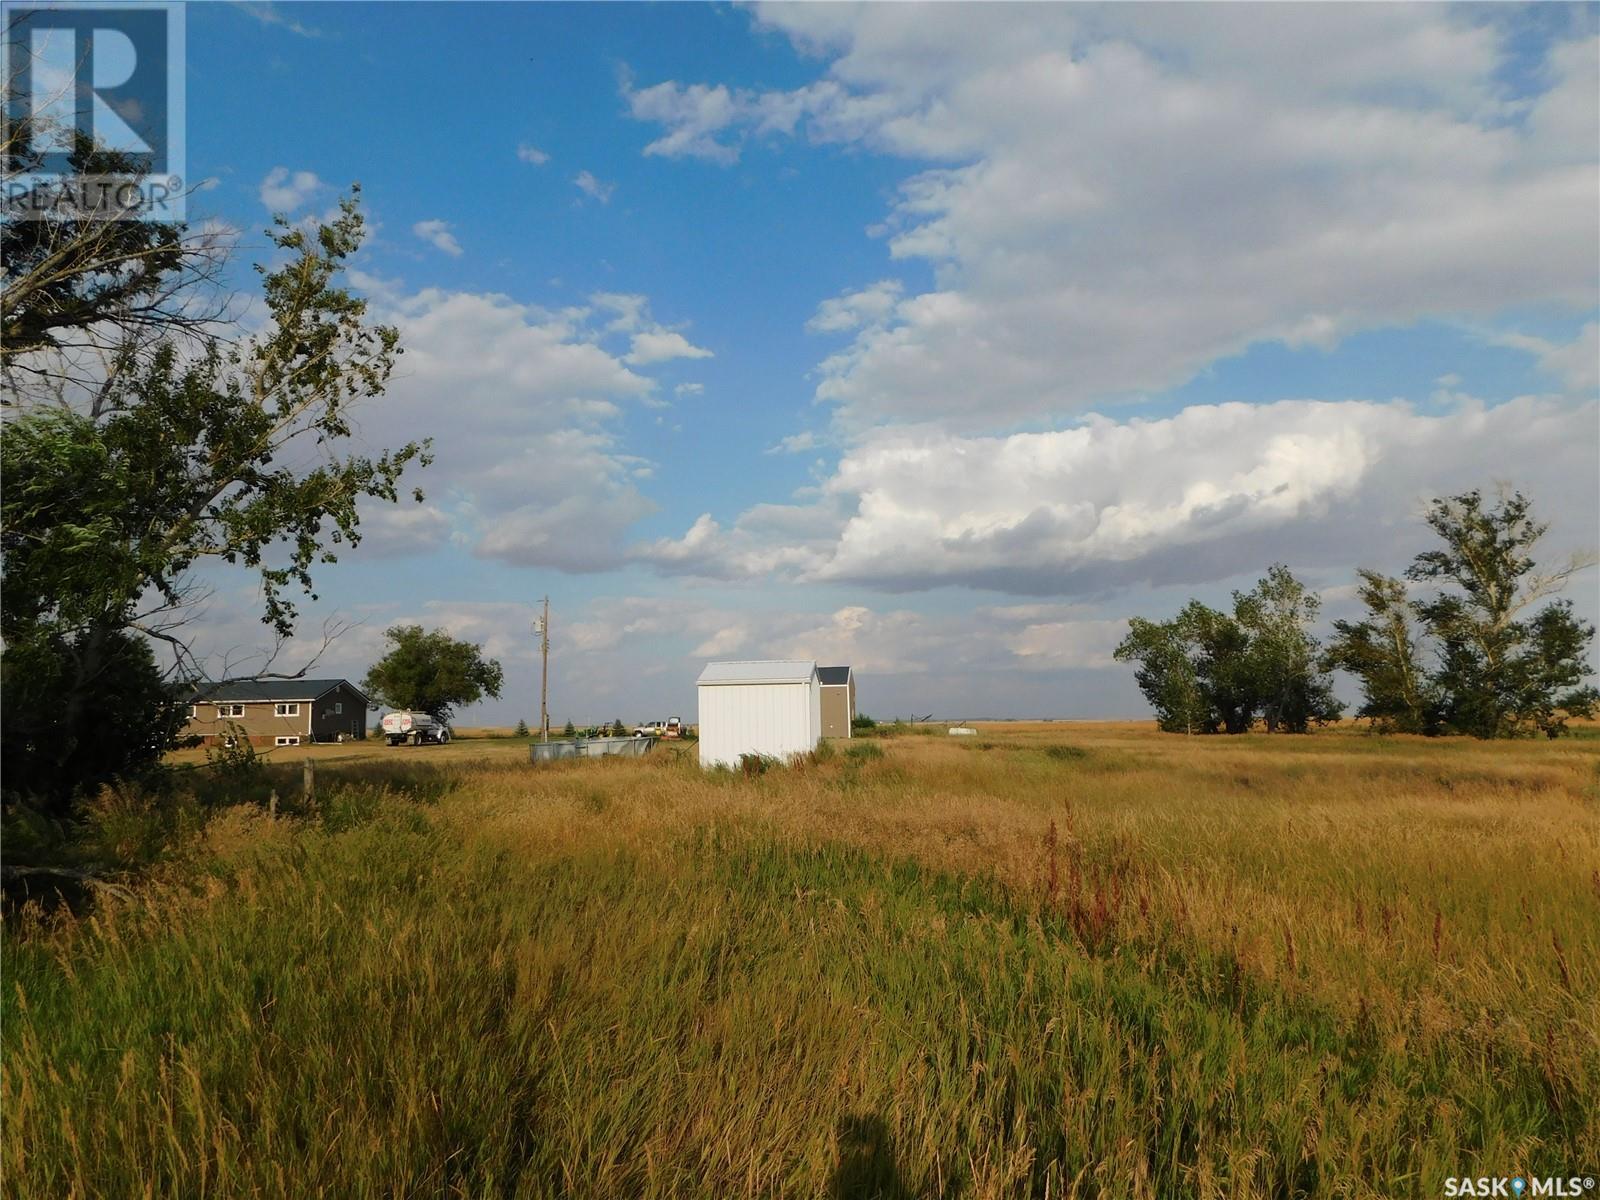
<point>928,970</point>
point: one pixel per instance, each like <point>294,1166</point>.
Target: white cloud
<point>629,311</point>
<point>1209,493</point>
<point>273,14</point>
<point>1116,197</point>
<point>795,443</point>
<point>564,500</point>
<point>502,628</point>
<point>694,116</point>
<point>713,122</point>
<point>871,306</point>
<point>401,529</point>
<point>587,183</point>
<point>524,405</point>
<point>876,642</point>
<point>905,642</point>
<point>284,191</point>
<point>612,623</point>
<point>689,389</point>
<point>437,234</point>
<point>787,540</point>
<point>661,345</point>
<point>532,154</point>
<point>1576,363</point>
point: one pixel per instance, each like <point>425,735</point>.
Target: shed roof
<point>767,671</point>
<point>277,690</point>
<point>833,676</point>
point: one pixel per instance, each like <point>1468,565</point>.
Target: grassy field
<point>1052,960</point>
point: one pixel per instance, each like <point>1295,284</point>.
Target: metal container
<point>634,747</point>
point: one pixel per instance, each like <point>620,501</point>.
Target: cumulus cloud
<point>1203,495</point>
<point>694,116</point>
<point>792,541</point>
<point>712,123</point>
<point>661,345</point>
<point>628,311</point>
<point>402,529</point>
<point>284,191</point>
<point>870,306</point>
<point>593,187</point>
<point>689,389</point>
<point>1116,197</point>
<point>532,154</point>
<point>563,500</point>
<point>524,404</point>
<point>437,234</point>
<point>795,443</point>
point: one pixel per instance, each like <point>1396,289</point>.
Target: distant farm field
<point>1049,960</point>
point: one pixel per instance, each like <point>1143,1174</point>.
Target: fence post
<point>308,781</point>
<point>272,805</point>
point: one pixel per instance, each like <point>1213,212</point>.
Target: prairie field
<point>1051,960</point>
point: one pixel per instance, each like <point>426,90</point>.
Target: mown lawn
<point>1046,961</point>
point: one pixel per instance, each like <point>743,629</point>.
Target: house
<point>838,700</point>
<point>278,712</point>
<point>771,708</point>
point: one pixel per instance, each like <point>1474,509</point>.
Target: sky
<point>933,340</point>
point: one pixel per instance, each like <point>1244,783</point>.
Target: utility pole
<point>541,626</point>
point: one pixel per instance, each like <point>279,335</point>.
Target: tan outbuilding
<point>838,700</point>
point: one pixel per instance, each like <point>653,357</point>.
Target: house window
<point>285,741</point>
<point>190,713</point>
<point>230,710</point>
<point>338,708</point>
<point>286,710</point>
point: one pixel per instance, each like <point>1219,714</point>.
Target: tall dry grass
<point>1051,961</point>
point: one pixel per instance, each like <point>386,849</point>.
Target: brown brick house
<point>838,700</point>
<point>278,712</point>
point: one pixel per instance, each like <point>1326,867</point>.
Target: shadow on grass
<point>867,1168</point>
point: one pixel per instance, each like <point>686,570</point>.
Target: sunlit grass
<point>1050,960</point>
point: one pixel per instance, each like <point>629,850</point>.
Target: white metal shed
<point>772,708</point>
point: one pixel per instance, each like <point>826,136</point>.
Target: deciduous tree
<point>1505,667</point>
<point>430,671</point>
<point>1283,663</point>
<point>1167,674</point>
<point>182,453</point>
<point>1208,671</point>
<point>1384,652</point>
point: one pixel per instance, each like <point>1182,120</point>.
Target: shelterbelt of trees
<point>1484,649</point>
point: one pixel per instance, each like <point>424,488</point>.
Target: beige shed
<point>838,700</point>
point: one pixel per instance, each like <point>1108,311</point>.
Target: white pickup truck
<point>670,728</point>
<point>415,728</point>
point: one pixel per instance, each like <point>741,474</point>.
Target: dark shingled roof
<point>246,690</point>
<point>834,675</point>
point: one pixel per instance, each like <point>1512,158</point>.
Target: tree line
<point>1471,641</point>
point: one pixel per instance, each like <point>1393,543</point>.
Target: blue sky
<point>933,340</point>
